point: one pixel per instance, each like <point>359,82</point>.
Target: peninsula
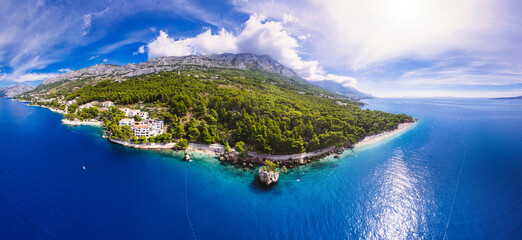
<point>248,104</point>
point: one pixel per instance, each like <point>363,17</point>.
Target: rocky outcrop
<point>243,61</point>
<point>14,90</point>
<point>268,177</point>
<point>231,157</point>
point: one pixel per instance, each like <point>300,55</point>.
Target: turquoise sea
<point>456,175</point>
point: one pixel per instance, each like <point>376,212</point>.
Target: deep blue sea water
<point>402,188</point>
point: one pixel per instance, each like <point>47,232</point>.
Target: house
<point>87,105</point>
<point>143,115</point>
<point>131,112</point>
<point>141,130</point>
<point>157,124</point>
<point>107,104</point>
<point>126,122</point>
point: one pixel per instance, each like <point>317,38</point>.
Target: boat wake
<point>186,203</point>
<point>456,187</point>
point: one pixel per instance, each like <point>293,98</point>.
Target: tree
<point>142,139</point>
<point>314,143</point>
<point>72,108</point>
<point>227,147</point>
<point>182,143</point>
<point>177,129</point>
<point>126,132</point>
<point>270,166</point>
<point>240,147</point>
<point>205,135</point>
<point>192,130</point>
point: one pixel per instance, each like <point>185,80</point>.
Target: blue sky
<point>389,48</point>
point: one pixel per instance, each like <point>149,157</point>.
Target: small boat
<point>187,157</point>
<point>83,167</point>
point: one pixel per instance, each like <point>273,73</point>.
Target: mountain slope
<point>340,89</point>
<point>14,90</point>
<point>243,61</point>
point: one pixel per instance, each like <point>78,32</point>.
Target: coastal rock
<point>187,157</point>
<point>268,177</point>
<point>231,157</point>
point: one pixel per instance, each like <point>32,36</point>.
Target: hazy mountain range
<point>338,88</point>
<point>14,90</point>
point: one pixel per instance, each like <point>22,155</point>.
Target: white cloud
<point>259,36</point>
<point>64,70</point>
<point>141,50</point>
<point>358,33</point>
<point>87,21</point>
<point>27,77</point>
<point>404,36</point>
<point>94,57</point>
<point>345,81</point>
<point>165,46</point>
<point>105,60</point>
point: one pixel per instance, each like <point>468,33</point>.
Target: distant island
<point>253,103</point>
<point>519,97</point>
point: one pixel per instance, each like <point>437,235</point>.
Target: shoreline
<point>371,139</point>
<point>253,157</point>
<point>94,123</point>
<point>143,145</point>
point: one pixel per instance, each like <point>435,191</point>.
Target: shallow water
<point>402,188</point>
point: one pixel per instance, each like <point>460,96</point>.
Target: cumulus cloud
<point>94,57</point>
<point>64,70</point>
<point>105,60</point>
<point>141,50</point>
<point>259,36</point>
<point>357,34</point>
<point>358,37</point>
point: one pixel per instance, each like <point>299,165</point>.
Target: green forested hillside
<point>269,112</point>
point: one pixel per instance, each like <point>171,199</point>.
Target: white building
<point>133,112</point>
<point>87,105</point>
<point>107,104</point>
<point>141,130</point>
<point>157,124</point>
<point>143,115</point>
<point>127,122</point>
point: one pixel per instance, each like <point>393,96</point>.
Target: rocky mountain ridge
<point>244,61</point>
<point>14,90</point>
